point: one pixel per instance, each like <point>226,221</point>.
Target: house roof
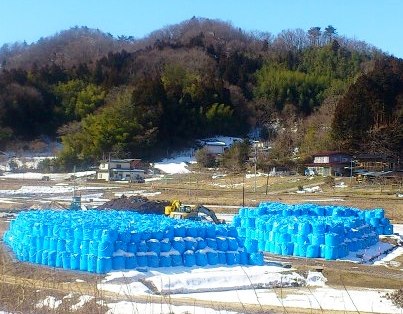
<point>327,164</point>
<point>215,143</point>
<point>122,160</point>
<point>329,153</point>
<point>376,157</point>
<point>126,170</point>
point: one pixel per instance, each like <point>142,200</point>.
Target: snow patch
<point>125,307</point>
<point>82,300</point>
<point>315,279</point>
<point>50,302</point>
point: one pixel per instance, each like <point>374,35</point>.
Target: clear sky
<point>378,22</point>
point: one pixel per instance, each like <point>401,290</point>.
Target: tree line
<point>301,89</point>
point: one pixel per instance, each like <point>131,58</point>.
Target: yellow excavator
<point>178,211</point>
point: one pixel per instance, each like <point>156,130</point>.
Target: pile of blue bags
<point>101,241</point>
<point>310,230</point>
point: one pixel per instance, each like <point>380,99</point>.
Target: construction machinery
<point>178,211</point>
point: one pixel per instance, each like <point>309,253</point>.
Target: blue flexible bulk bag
<point>331,239</point>
<point>304,228</point>
<point>45,257</point>
<point>75,261</point>
<point>189,259</point>
<point>52,258</point>
<point>59,259</point>
<point>190,243</point>
<point>154,246</point>
<point>92,263</point>
<point>277,248</point>
<point>232,244</point>
<point>132,247</point>
<point>77,246</point>
<point>152,259</point>
<point>70,245</point>
<point>287,248</point>
<point>118,262</point>
<point>251,245</point>
<point>256,258</point>
<point>222,258</point>
<point>331,252</point>
<point>243,258</point>
<point>85,247</point>
<point>93,247</point>
<point>318,239</point>
<point>313,251</point>
<point>388,230</point>
<point>201,258</point>
<point>130,262</point>
<point>66,260</point>
<point>165,245</point>
<point>88,233</point>
<point>141,258</point>
<point>142,246</point>
<point>61,245</point>
<point>120,245</point>
<point>222,243</point>
<point>176,258</point>
<point>165,260</point>
<point>104,265</point>
<point>232,257</point>
<point>191,232</point>
<point>179,231</point>
<point>212,243</point>
<point>78,233</point>
<point>261,245</point>
<point>39,243</point>
<point>105,249</point>
<point>210,231</point>
<point>124,236</point>
<point>212,257</point>
<point>178,244</point>
<point>135,237</point>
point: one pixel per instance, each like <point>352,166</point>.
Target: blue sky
<point>378,22</point>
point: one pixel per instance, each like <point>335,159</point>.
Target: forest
<point>302,91</point>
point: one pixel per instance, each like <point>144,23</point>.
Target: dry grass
<point>237,191</point>
<point>22,285</point>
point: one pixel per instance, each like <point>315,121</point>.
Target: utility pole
<point>351,170</point>
<point>267,183</point>
<point>254,189</point>
<point>243,190</point>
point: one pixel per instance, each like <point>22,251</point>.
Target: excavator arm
<point>175,206</point>
<point>208,212</point>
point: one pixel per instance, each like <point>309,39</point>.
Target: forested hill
<point>135,97</point>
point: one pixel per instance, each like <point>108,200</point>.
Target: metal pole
<point>243,190</point>
<point>254,189</point>
<point>267,183</point>
<point>351,170</point>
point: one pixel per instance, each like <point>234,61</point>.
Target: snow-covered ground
<point>177,164</point>
<point>52,176</point>
<point>259,285</point>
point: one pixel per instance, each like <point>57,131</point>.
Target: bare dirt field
<point>226,194</point>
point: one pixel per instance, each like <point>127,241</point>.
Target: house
<point>215,147</point>
<point>330,163</point>
<point>375,162</point>
<point>120,170</point>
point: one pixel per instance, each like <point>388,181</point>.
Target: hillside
<point>139,97</point>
